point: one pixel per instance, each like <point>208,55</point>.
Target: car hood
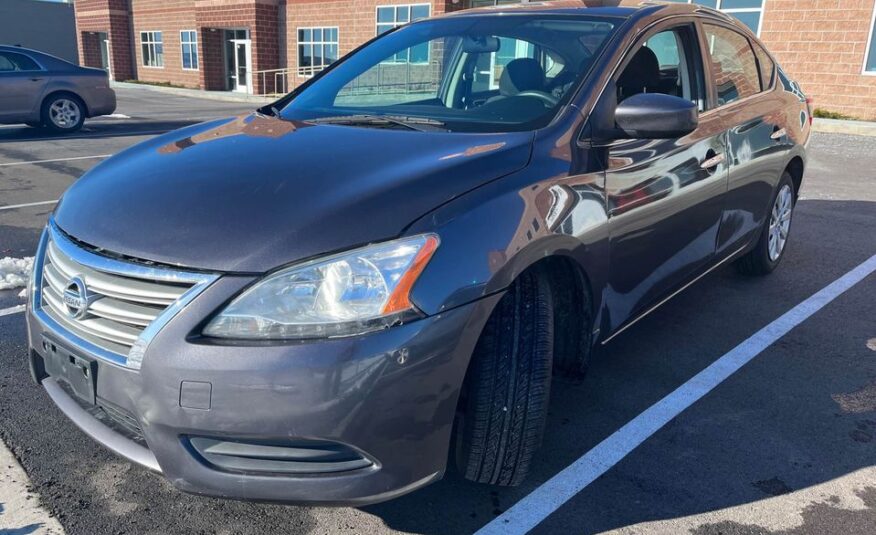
<point>251,193</point>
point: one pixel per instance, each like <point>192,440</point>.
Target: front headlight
<point>346,294</point>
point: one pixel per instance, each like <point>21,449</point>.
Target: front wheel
<point>63,113</point>
<point>505,398</point>
<point>770,248</point>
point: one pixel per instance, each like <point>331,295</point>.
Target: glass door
<point>242,74</point>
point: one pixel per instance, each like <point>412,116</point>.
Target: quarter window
<point>317,49</point>
<point>766,65</point>
<point>389,17</point>
<point>12,62</point>
<point>734,67</point>
<point>152,46</point>
<point>189,43</point>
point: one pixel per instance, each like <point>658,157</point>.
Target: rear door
<point>665,196</point>
<point>22,81</point>
<point>757,141</point>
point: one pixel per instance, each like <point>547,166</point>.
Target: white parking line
<point>547,498</point>
<point>99,156</point>
<point>11,310</point>
<point>14,206</point>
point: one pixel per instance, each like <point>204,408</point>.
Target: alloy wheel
<point>65,113</point>
<point>780,222</point>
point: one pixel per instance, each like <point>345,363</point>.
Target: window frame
<point>150,45</point>
<point>395,24</point>
<point>706,52</point>
<point>311,71</point>
<point>732,11</point>
<point>871,38</point>
<point>196,60</point>
<point>40,67</point>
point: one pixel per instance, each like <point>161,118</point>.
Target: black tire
<point>758,261</point>
<point>55,125</point>
<point>505,399</point>
<point>573,325</point>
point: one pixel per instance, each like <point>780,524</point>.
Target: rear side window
<point>10,61</point>
<point>767,67</point>
<point>735,70</point>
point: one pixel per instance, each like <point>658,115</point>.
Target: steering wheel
<point>547,99</point>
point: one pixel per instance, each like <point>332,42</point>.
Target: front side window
<point>734,67</point>
<point>487,74</point>
<point>152,47</point>
<point>317,49</point>
<point>12,62</point>
<point>189,44</point>
<point>389,17</point>
<point>665,63</point>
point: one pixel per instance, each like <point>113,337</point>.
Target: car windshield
<point>483,73</point>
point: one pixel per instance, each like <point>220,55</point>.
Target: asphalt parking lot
<point>785,445</point>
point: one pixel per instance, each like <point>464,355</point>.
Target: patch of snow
<point>14,272</point>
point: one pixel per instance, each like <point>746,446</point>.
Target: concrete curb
<point>21,511</point>
<point>225,96</point>
<point>834,126</point>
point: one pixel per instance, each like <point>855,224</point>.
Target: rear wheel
<point>770,248</point>
<point>63,113</point>
<point>505,398</point>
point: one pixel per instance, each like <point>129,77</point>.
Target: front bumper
<point>389,395</point>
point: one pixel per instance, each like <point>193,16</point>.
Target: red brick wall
<point>169,17</point>
<point>822,45</point>
<point>113,18</point>
<point>356,21</point>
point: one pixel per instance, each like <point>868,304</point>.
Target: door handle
<point>712,162</point>
<point>778,134</point>
<point>35,79</point>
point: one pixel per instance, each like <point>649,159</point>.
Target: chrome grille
<point>125,303</point>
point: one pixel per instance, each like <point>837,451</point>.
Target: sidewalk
<point>834,126</point>
<point>225,96</point>
<point>20,511</point>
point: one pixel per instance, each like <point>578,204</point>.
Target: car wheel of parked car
<point>63,112</point>
<point>769,250</point>
<point>508,385</point>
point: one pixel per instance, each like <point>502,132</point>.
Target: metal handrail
<point>281,81</point>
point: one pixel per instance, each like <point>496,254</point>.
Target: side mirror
<point>656,116</point>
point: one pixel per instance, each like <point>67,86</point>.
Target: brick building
<point>263,46</point>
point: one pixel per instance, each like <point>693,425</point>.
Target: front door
<point>665,196</point>
<point>22,81</point>
<point>242,74</point>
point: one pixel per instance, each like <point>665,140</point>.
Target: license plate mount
<point>78,372</point>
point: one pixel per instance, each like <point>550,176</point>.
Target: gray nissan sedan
<point>335,298</point>
<point>41,90</point>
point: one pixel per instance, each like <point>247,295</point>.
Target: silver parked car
<point>41,90</point>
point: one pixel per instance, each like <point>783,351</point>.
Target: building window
<point>389,17</point>
<point>189,43</point>
<point>153,49</point>
<point>870,58</point>
<point>317,49</point>
<point>749,12</point>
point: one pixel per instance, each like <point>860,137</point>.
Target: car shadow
<point>769,438</point>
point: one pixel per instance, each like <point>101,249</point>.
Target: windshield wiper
<point>420,124</point>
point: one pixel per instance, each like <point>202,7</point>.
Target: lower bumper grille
<point>300,457</point>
